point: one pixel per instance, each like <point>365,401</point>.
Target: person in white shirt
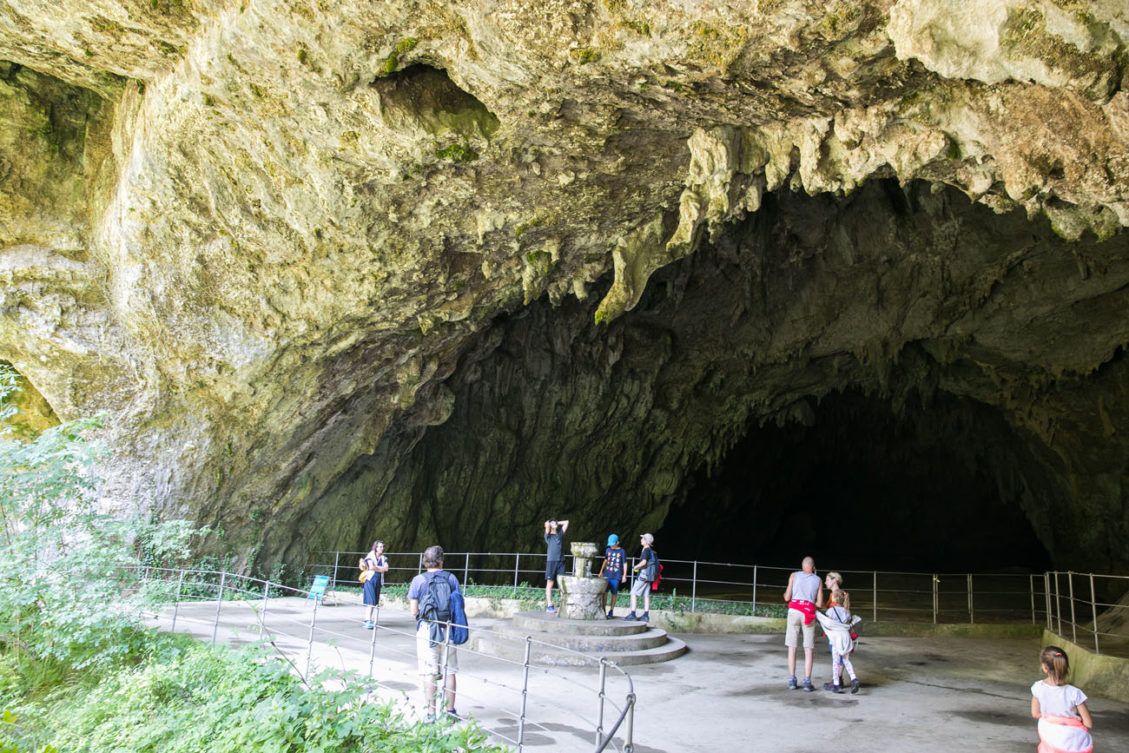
<point>1064,719</point>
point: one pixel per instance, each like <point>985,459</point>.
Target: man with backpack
<point>646,570</point>
<point>430,596</point>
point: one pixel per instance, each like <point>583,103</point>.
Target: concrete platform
<point>919,695</point>
<point>558,641</point>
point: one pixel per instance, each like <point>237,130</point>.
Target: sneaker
<point>610,615</point>
<point>792,683</point>
<point>646,617</point>
<point>854,686</point>
<point>808,688</point>
<point>370,624</point>
<point>829,686</point>
<point>836,688</point>
<point>630,616</point>
<point>453,714</point>
<point>429,718</point>
<point>550,609</point>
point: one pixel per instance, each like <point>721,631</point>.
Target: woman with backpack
<point>645,571</point>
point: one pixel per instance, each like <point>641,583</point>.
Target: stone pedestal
<point>580,592</point>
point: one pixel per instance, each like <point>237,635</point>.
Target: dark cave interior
<point>860,485</point>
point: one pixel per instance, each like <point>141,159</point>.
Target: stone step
<point>599,645</point>
<point>555,656</point>
<point>541,622</point>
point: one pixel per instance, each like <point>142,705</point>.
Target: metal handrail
<point>235,583</point>
<point>903,594</point>
<point>1070,611</point>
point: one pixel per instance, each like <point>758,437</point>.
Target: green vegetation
<point>457,153</point>
<point>79,672</point>
<point>179,696</point>
<point>585,55</point>
<point>403,47</point>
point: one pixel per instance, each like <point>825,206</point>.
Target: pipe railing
<point>1088,609</point>
<point>296,639</point>
<point>706,586</point>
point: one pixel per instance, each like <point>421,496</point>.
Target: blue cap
<point>613,540</point>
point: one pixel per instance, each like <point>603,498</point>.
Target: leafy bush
<point>186,697</point>
<point>65,589</point>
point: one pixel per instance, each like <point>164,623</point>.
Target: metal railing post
<point>517,563</point>
<point>1047,599</point>
<point>219,606</point>
<point>1073,617</point>
<point>754,590</point>
<point>629,735</point>
<point>1058,603</point>
<point>524,693</point>
<point>419,568</point>
<point>442,705</point>
<point>1031,586</point>
<point>310,643</point>
<point>971,614</point>
<point>333,581</point>
<point>176,603</point>
<point>936,596</point>
<point>1094,612</point>
<point>874,596</point>
<point>466,569</point>
<point>372,643</point>
<point>263,608</point>
<point>600,713</point>
<point>693,604</point>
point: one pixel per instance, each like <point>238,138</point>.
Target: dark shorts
<point>372,591</point>
<point>613,585</point>
<point>554,569</point>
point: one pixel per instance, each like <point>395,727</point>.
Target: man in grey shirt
<point>554,562</point>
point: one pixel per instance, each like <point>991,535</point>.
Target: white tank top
<point>805,586</point>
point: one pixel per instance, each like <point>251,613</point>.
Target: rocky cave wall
<point>262,235</point>
<point>912,296</point>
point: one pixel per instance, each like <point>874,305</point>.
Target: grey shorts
<point>640,587</point>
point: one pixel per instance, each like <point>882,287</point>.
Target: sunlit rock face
<point>276,242</point>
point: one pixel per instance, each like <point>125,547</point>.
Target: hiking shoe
<point>836,688</point>
<point>550,609</point>
<point>646,617</point>
<point>829,685</point>
<point>792,683</point>
<point>854,686</point>
<point>630,616</point>
<point>808,686</point>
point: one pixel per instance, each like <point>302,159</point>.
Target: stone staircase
<point>562,642</point>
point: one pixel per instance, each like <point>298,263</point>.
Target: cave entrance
<point>860,485</point>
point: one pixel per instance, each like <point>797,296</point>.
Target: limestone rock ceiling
<point>262,233</point>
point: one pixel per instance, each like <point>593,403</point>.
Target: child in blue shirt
<point>614,570</point>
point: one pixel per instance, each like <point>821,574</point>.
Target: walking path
<point>727,693</point>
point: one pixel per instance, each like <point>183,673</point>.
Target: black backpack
<point>435,605</point>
